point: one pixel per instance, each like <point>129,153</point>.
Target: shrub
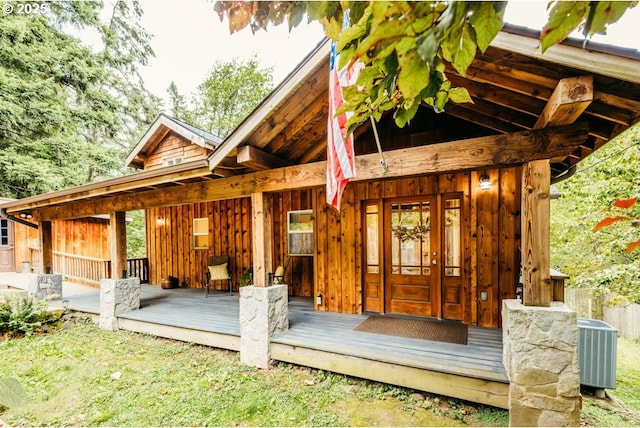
<point>22,315</point>
<point>623,280</point>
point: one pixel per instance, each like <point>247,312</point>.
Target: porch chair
<point>218,270</point>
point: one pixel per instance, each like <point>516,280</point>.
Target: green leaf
<point>460,95</point>
<point>427,46</point>
<point>486,23</point>
<point>606,12</point>
<point>12,393</point>
<point>435,84</point>
<point>414,74</point>
<point>297,12</point>
<point>564,18</point>
<point>403,116</point>
<point>459,48</point>
<point>441,100</point>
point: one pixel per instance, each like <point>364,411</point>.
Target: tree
<point>227,95</point>
<point>404,45</point>
<point>67,114</point>
<point>600,259</point>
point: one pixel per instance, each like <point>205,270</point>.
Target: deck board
<point>328,334</point>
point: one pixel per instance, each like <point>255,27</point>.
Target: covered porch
<point>324,340</point>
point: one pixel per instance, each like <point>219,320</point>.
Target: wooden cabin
<point>438,234</point>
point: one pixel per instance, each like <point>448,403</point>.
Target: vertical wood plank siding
<point>170,241</point>
<point>490,231</point>
<point>490,243</point>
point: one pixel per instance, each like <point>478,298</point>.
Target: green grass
<point>624,410</point>
<point>84,376</point>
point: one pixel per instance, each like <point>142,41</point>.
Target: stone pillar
<point>541,358</point>
<point>46,286</point>
<point>116,297</point>
<point>264,312</point>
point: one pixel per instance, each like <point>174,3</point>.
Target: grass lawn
<point>88,377</point>
<point>624,408</point>
<point>84,376</point>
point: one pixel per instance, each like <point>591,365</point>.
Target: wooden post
<point>46,247</point>
<point>262,237</point>
<point>118,236</point>
<point>536,182</point>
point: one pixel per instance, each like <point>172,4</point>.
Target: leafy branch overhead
<point>405,47</point>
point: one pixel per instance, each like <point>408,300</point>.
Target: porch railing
<point>90,270</point>
<point>80,268</point>
<point>140,268</point>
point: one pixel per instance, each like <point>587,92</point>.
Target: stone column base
<point>116,297</point>
<point>263,313</point>
<point>540,348</point>
<point>46,286</point>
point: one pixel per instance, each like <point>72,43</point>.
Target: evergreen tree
<point>68,115</point>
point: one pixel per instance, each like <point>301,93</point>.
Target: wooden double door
<point>413,257</point>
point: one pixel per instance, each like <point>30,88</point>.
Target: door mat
<point>439,331</point>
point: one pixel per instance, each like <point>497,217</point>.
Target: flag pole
<point>383,163</point>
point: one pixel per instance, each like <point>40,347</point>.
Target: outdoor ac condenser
<point>597,350</point>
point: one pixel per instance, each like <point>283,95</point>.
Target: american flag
<point>340,155</point>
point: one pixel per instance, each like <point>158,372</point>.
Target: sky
<point>189,38</point>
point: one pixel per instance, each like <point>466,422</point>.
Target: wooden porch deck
<point>326,340</point>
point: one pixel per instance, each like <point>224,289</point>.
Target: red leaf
<point>625,203</point>
<point>633,245</point>
<point>608,221</point>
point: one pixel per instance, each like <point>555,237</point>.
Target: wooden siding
<point>86,237</point>
<point>172,146</point>
<point>170,240</point>
<point>170,245</point>
<point>490,240</point>
<point>299,269</point>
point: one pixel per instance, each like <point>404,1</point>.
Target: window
<point>200,233</point>
<point>452,249</point>
<point>300,231</point>
<point>4,232</point>
<point>373,239</point>
<point>411,238</point>
<point>172,161</point>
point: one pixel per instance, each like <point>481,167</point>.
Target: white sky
<point>189,38</point>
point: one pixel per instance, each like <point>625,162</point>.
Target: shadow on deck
<point>327,341</point>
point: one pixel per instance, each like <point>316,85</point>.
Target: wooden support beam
<point>46,247</point>
<point>536,182</point>
<point>257,159</point>
<point>262,237</point>
<point>118,243</point>
<point>569,100</point>
<point>474,153</point>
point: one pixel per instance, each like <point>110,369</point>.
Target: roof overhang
<point>159,129</point>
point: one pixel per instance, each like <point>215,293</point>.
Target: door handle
<point>434,262</point>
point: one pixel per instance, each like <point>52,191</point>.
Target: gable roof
<point>159,129</point>
<point>510,85</point>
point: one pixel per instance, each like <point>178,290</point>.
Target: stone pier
<point>117,296</point>
<point>263,313</point>
<point>46,286</point>
<point>541,359</point>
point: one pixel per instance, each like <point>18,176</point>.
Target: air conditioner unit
<point>597,352</point>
